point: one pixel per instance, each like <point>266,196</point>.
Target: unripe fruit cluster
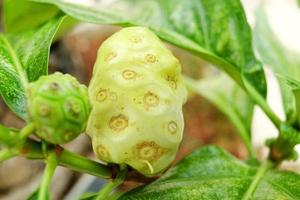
<point>59,107</point>
<point>137,95</point>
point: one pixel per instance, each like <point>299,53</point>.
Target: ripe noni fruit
<point>137,95</point>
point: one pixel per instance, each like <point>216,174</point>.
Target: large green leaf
<point>23,58</point>
<point>212,174</point>
<point>23,15</point>
<point>28,15</point>
<point>283,61</point>
<point>216,30</point>
<point>226,95</point>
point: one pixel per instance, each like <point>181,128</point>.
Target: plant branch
<point>257,178</point>
<point>26,131</point>
<point>47,176</point>
<point>33,150</point>
<point>6,154</point>
<point>262,103</point>
<point>108,188</point>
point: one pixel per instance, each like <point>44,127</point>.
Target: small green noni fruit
<point>58,106</point>
<point>137,95</point>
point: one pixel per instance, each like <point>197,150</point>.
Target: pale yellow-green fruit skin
<point>137,95</point>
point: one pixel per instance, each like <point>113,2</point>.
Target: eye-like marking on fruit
<point>137,102</point>
<point>150,58</point>
<point>102,151</point>
<point>113,96</point>
<point>148,150</point>
<point>44,110</point>
<point>118,123</point>
<point>135,39</point>
<point>73,107</point>
<point>54,86</point>
<point>172,82</point>
<point>101,95</point>
<point>172,127</point>
<point>58,107</point>
<point>68,135</point>
<point>110,56</point>
<point>129,74</point>
<point>150,99</point>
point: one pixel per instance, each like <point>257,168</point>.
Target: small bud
<point>59,107</point>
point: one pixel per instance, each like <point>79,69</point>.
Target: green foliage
<point>23,15</point>
<point>208,28</point>
<point>137,94</point>
<point>212,174</point>
<point>230,99</point>
<point>283,61</point>
<point>23,58</point>
<point>294,86</point>
<point>58,106</point>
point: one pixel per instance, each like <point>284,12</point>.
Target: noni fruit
<point>58,106</point>
<point>137,95</point>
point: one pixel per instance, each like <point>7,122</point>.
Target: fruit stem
<point>6,154</point>
<point>33,150</point>
<point>27,130</point>
<point>262,103</point>
<point>47,176</point>
<point>109,187</point>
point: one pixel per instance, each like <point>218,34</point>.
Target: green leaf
<point>23,58</point>
<point>282,61</point>
<point>213,174</point>
<point>295,88</point>
<point>213,29</point>
<point>230,99</point>
<point>23,15</point>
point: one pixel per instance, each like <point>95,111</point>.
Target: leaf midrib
<point>17,64</point>
<point>262,170</point>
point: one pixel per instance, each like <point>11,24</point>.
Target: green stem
<point>47,177</point>
<point>257,178</point>
<point>6,154</point>
<point>108,188</point>
<point>33,150</point>
<point>115,196</point>
<point>261,102</point>
<point>27,130</point>
<point>82,164</point>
